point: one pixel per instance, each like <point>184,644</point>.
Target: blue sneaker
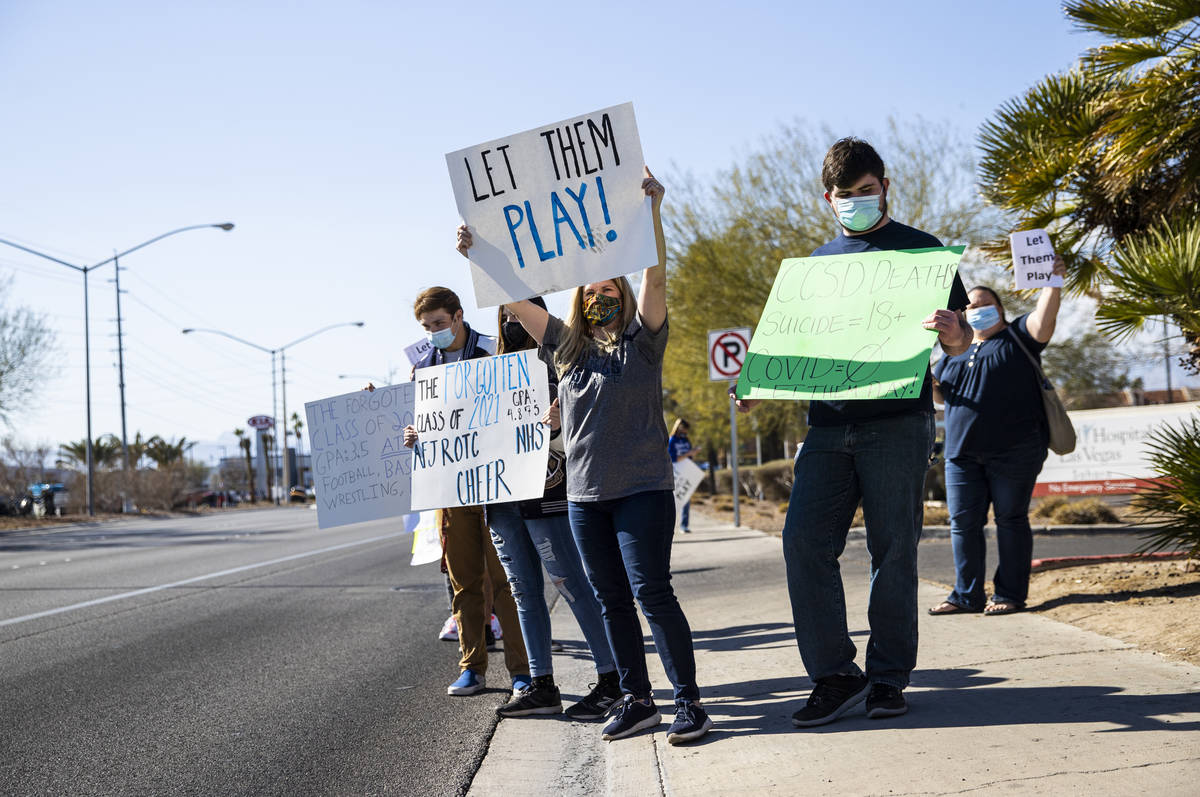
<point>520,684</point>
<point>467,684</point>
<point>691,722</point>
<point>632,716</point>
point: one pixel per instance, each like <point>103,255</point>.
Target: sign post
<point>726,352</point>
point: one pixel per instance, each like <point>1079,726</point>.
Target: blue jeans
<point>684,513</point>
<point>626,545</point>
<point>881,463</point>
<point>524,546</point>
<point>1005,479</point>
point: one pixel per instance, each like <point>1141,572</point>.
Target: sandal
<point>946,607</point>
<point>1001,607</point>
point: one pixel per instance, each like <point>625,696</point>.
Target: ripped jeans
<point>524,546</point>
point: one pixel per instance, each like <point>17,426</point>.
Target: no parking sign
<point>726,352</point>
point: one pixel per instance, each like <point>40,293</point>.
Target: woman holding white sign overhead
<point>608,356</point>
<point>996,438</point>
<point>536,533</point>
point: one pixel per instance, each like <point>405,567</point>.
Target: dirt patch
<point>1151,604</point>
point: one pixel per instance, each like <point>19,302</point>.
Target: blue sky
<point>320,130</point>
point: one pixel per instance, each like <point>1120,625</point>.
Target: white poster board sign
<point>1033,259</point>
<point>427,540</point>
<point>1110,450</point>
<point>726,352</point>
<point>415,351</point>
<point>480,438</point>
<point>555,207</point>
<point>361,469</point>
<point>688,476</point>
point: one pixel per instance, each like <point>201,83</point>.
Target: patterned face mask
<point>600,310</point>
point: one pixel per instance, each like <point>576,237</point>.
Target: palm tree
<point>297,427</point>
<point>1107,157</point>
<point>164,453</point>
<point>244,444</point>
<point>106,451</point>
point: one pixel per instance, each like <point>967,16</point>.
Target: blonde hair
<point>577,338</point>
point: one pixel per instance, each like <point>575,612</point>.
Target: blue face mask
<point>858,213</point>
<point>442,338</point>
<point>981,318</point>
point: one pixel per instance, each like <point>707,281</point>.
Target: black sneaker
<point>691,722</point>
<point>885,700</point>
<point>489,638</point>
<point>831,698</point>
<point>541,697</point>
<point>600,701</point>
<point>632,716</point>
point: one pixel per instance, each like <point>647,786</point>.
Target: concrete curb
<point>939,532</point>
<point>1057,562</point>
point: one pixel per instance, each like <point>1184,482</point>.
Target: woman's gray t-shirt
<point>612,416</point>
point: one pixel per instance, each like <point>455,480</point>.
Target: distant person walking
<point>620,488</point>
<point>680,447</point>
<point>996,438</point>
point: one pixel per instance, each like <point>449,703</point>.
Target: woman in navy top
<point>996,438</point>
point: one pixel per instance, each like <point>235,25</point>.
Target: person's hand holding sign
<point>953,332</point>
<point>552,417</point>
<point>464,240</point>
<point>743,405</point>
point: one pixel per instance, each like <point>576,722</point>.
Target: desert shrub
<point>936,516</point>
<point>770,481</point>
<point>1172,503</point>
<point>773,480</point>
<point>1088,510</point>
<point>1048,506</point>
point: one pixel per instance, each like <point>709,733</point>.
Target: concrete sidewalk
<point>1017,705</point>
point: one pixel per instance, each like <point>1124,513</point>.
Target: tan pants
<point>469,556</point>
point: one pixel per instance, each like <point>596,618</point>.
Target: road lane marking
<point>194,579</point>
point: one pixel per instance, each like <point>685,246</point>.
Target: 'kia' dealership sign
<point>260,422</point>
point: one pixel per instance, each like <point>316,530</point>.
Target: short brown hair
<point>436,298</point>
<point>847,161</point>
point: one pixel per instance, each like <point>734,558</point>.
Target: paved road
<point>244,653</point>
<point>936,559</point>
<point>250,653</point>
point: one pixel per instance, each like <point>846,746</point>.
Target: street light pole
<point>87,381</point>
<point>87,349</point>
<point>121,387</point>
<point>281,351</point>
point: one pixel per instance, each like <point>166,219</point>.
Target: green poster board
<point>849,326</point>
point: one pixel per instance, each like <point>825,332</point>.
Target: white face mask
<point>981,318</point>
<point>858,213</point>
